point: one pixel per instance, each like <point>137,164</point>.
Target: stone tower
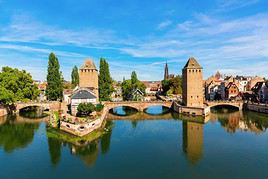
<point>88,77</point>
<point>166,75</point>
<point>192,77</point>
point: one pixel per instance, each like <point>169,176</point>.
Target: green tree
<point>16,85</point>
<point>75,77</point>
<point>84,109</point>
<point>105,81</point>
<point>126,87</point>
<point>172,86</point>
<point>54,79</point>
<point>129,86</point>
<point>134,78</point>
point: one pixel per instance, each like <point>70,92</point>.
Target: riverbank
<point>261,108</point>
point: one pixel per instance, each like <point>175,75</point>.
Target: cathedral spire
<point>166,72</point>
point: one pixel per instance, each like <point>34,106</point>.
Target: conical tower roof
<point>88,64</point>
<point>192,63</point>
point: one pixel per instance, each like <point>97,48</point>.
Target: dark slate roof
<point>257,86</point>
<point>192,63</point>
<point>83,94</point>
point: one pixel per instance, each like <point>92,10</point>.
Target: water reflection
<point>86,148</point>
<point>18,132</point>
<point>242,121</point>
<point>33,112</point>
<point>157,110</point>
<point>123,111</point>
<point>192,140</point>
<point>15,133</point>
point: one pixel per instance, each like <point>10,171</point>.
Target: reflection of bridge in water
<point>139,116</point>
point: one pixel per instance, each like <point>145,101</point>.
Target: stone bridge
<point>237,104</point>
<point>138,105</point>
<point>52,105</point>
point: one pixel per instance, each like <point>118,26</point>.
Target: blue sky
<point>226,35</point>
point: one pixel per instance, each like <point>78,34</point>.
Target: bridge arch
<point>45,105</point>
<point>237,105</point>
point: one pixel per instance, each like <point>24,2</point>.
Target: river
<point>155,144</point>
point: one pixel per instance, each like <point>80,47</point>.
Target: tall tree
<point>54,79</point>
<point>105,81</point>
<point>75,77</point>
<point>134,78</point>
<point>16,85</point>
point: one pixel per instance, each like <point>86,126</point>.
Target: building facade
<point>231,90</point>
<point>192,77</point>
<point>82,95</point>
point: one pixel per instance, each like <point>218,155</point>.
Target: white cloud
<point>228,5</point>
<point>164,24</point>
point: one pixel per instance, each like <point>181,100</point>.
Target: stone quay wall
<point>262,108</point>
<point>198,111</point>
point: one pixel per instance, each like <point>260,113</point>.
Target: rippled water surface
<point>153,144</point>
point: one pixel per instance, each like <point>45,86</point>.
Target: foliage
<point>75,77</point>
<point>16,85</point>
<point>54,79</point>
<point>129,86</point>
<point>105,81</point>
<point>85,108</point>
<point>172,86</point>
<point>67,85</point>
<point>99,107</point>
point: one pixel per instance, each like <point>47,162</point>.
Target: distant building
<point>231,91</point>
<point>82,95</point>
<point>260,90</point>
<point>88,77</point>
<point>192,77</point>
<point>167,76</point>
<point>253,82</point>
<point>137,95</point>
<point>213,88</point>
<point>152,87</point>
<point>42,86</point>
<point>67,95</point>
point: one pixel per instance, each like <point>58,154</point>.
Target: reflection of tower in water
<point>193,140</point>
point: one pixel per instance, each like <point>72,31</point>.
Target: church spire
<point>166,72</point>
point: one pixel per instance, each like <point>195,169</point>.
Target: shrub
<point>99,107</point>
<point>84,109</point>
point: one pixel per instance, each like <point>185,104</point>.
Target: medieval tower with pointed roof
<point>88,77</point>
<point>192,76</point>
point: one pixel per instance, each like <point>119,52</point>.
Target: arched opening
<point>123,111</point>
<point>224,108</point>
<point>33,112</point>
<point>157,110</point>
